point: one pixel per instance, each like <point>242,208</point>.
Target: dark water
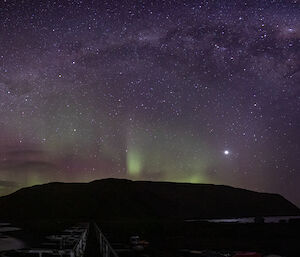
<point>8,242</point>
<point>275,219</point>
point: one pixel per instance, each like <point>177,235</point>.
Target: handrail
<point>79,248</point>
<point>105,248</point>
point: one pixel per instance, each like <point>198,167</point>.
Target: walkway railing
<point>79,248</point>
<point>105,248</point>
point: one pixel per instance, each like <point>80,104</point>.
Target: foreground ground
<point>177,238</point>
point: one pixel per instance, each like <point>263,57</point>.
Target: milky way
<point>194,91</point>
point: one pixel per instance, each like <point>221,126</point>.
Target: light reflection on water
<point>8,229</point>
<point>275,219</point>
<point>9,242</point>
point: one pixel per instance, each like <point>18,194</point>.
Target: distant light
<point>226,152</point>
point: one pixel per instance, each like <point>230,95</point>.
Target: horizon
<point>158,181</point>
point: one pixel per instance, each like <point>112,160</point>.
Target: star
<point>226,152</point>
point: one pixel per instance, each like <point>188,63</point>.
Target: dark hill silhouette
<point>112,199</point>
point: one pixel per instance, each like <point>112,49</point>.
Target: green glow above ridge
<point>134,162</point>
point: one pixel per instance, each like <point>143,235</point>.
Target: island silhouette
<point>115,199</point>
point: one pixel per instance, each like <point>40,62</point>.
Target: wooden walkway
<point>97,244</point>
<point>92,247</point>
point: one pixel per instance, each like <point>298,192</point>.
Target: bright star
<point>226,152</point>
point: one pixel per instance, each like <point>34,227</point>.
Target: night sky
<point>185,91</point>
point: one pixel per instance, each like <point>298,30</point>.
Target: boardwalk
<point>92,246</point>
<point>83,240</point>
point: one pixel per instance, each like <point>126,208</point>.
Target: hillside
<point>112,199</point>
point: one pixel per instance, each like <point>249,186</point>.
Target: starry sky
<point>190,91</point>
